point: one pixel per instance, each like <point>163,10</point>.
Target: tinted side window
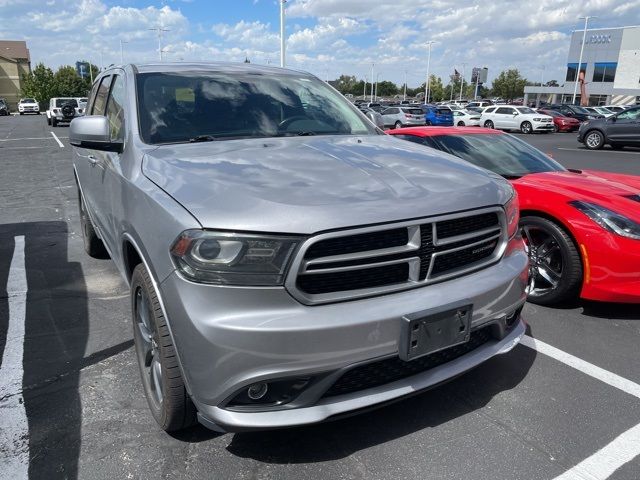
<point>115,112</point>
<point>100,101</point>
<point>506,111</point>
<point>490,110</point>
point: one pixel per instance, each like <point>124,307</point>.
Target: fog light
<point>257,391</point>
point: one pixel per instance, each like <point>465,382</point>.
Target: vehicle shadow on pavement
<point>616,311</point>
<point>341,438</point>
<point>56,330</point>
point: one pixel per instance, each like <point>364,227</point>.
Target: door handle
<point>92,160</point>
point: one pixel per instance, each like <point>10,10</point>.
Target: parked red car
<point>560,122</point>
<point>582,228</point>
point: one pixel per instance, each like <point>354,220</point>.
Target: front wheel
<point>555,266</point>
<point>525,127</point>
<point>594,140</point>
<point>164,387</point>
<point>398,125</point>
<point>488,124</point>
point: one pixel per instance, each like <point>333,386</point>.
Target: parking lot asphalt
<point>534,413</point>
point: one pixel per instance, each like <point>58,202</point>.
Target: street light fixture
<point>377,77</point>
<point>160,31</point>
<point>427,84</point>
<point>584,37</point>
<point>462,80</point>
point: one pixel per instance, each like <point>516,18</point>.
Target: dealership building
<point>611,66</point>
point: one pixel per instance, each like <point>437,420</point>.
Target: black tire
<point>54,122</point>
<point>563,264</point>
<point>21,113</point>
<point>428,123</point>
<point>555,129</point>
<point>617,146</point>
<point>397,125</point>
<point>488,124</point>
<point>174,410</point>
<point>526,127</point>
<point>92,243</point>
<point>461,123</point>
<point>594,140</point>
<point>48,120</point>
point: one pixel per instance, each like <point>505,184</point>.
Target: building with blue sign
<point>611,67</point>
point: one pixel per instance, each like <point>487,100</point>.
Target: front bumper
<point>229,338</point>
<point>542,127</point>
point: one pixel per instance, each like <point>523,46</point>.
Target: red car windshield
<point>502,154</point>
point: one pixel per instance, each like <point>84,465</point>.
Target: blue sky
<point>326,37</point>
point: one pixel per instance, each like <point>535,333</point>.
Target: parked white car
<point>28,105</point>
<point>63,109</point>
<point>467,118</point>
<point>398,117</point>
<point>508,117</point>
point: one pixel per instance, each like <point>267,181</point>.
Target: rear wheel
<point>398,125</point>
<point>54,122</point>
<point>555,266</point>
<point>594,140</point>
<point>525,127</point>
<point>488,124</point>
<point>461,123</point>
<point>48,120</point>
<point>427,123</point>
<point>164,387</point>
<point>92,243</point>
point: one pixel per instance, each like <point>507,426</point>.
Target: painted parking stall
<point>559,406</point>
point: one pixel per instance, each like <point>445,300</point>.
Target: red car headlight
<point>512,210</point>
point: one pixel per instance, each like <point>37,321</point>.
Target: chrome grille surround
<point>301,266</point>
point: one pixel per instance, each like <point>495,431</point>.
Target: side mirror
<point>515,114</point>
<point>614,119</point>
<point>93,132</point>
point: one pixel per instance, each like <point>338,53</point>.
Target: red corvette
<point>582,228</point>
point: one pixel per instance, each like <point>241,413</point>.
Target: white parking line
<point>26,138</point>
<point>14,429</point>
<point>621,450</point>
<point>585,367</point>
<point>604,462</point>
<point>601,151</point>
<point>57,139</point>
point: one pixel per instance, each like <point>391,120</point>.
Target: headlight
<point>537,119</point>
<point>222,258</point>
<point>609,220</point>
<point>512,210</point>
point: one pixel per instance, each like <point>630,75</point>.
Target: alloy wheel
<point>149,351</point>
<point>594,140</point>
<point>545,260</point>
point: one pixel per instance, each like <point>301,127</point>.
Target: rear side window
<point>115,112</point>
<point>100,102</point>
<point>505,111</point>
<point>444,111</point>
<point>490,110</point>
<point>413,111</point>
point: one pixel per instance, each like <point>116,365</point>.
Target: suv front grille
<point>370,261</point>
<point>389,370</point>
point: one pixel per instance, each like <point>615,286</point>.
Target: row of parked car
<point>61,109</point>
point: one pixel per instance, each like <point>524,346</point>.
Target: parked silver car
<point>287,261</point>
<point>398,117</point>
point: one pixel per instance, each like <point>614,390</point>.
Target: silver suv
<point>287,261</point>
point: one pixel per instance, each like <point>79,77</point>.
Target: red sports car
<point>560,122</point>
<point>582,228</point>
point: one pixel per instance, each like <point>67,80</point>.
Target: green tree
<point>39,84</point>
<point>509,84</point>
<point>346,83</point>
<point>69,84</point>
<point>551,83</point>
<point>387,89</point>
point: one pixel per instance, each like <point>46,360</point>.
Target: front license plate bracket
<point>436,329</point>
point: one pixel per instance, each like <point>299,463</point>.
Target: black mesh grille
<point>354,279</point>
<point>426,249</point>
<point>386,371</point>
<point>358,243</point>
<point>460,226</point>
<point>461,258</point>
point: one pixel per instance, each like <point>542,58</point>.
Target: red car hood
<point>609,190</point>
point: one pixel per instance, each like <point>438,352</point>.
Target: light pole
<point>584,37</point>
<point>428,82</point>
<point>160,31</point>
<point>122,52</point>
<point>364,90</point>
<point>462,80</point>
<point>372,65</point>
<point>282,43</point>
<point>404,96</point>
<point>376,94</point>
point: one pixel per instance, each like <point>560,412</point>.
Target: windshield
<point>63,101</point>
<point>198,106</point>
<point>27,100</point>
<point>551,113</point>
<point>525,110</point>
<point>579,109</point>
<point>502,154</point>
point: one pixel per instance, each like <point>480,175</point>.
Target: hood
<point>605,189</point>
<point>310,184</point>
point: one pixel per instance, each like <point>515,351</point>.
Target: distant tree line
<point>43,84</point>
<point>509,85</point>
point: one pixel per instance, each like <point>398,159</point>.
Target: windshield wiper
<point>302,133</point>
<point>512,176</point>
<point>202,138</point>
